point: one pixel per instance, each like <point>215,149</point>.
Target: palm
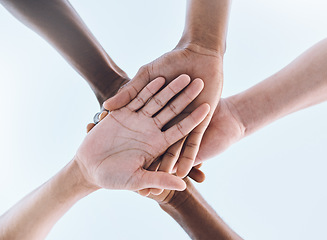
<point>127,134</point>
<point>118,149</point>
<point>223,130</point>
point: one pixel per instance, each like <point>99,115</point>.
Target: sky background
<point>267,186</point>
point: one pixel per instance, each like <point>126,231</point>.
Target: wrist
<point>176,199</point>
<point>189,41</point>
<point>108,84</point>
<point>105,77</point>
<point>72,182</point>
<point>243,112</point>
<point>206,24</point>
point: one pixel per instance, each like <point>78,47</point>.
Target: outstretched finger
<point>185,126</point>
<point>190,149</point>
<point>153,167</point>
<point>180,103</point>
<point>161,180</point>
<point>160,100</point>
<point>147,92</point>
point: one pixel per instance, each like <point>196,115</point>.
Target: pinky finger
<point>161,180</point>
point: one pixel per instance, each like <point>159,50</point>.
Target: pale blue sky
<point>267,186</point>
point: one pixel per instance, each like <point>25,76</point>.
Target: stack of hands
<point>163,123</point>
<point>125,150</point>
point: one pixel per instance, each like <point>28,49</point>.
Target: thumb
<point>161,180</point>
<point>122,98</point>
<point>128,92</point>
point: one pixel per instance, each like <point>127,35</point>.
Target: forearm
<point>301,84</point>
<point>206,24</point>
<point>60,25</point>
<point>35,215</point>
<point>196,217</point>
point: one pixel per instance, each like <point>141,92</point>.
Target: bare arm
<point>194,214</point>
<point>35,215</point>
<point>300,84</point>
<point>206,24</point>
<point>61,26</point>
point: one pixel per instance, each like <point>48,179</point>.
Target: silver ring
<point>96,118</point>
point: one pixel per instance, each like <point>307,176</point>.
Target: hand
<point>174,197</point>
<point>164,195</point>
<point>224,129</point>
<point>169,196</point>
<point>117,151</point>
<point>196,61</point>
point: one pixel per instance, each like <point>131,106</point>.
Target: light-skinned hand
<point>116,153</point>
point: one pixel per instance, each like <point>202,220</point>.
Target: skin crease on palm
<point>134,131</point>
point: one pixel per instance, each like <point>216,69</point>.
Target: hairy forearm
<point>61,26</point>
<point>206,24</point>
<point>301,84</point>
<point>196,216</point>
<point>35,215</point>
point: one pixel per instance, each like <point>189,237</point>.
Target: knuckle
<point>180,128</point>
<point>191,145</point>
<point>157,122</point>
<point>146,113</point>
<point>166,139</point>
<point>148,89</point>
<point>188,159</point>
<point>130,95</point>
<point>158,101</point>
<point>143,70</point>
<point>171,89</point>
<point>189,99</point>
<point>196,133</point>
<point>172,107</point>
<point>170,154</point>
<point>134,89</point>
<point>139,99</point>
<point>143,74</point>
